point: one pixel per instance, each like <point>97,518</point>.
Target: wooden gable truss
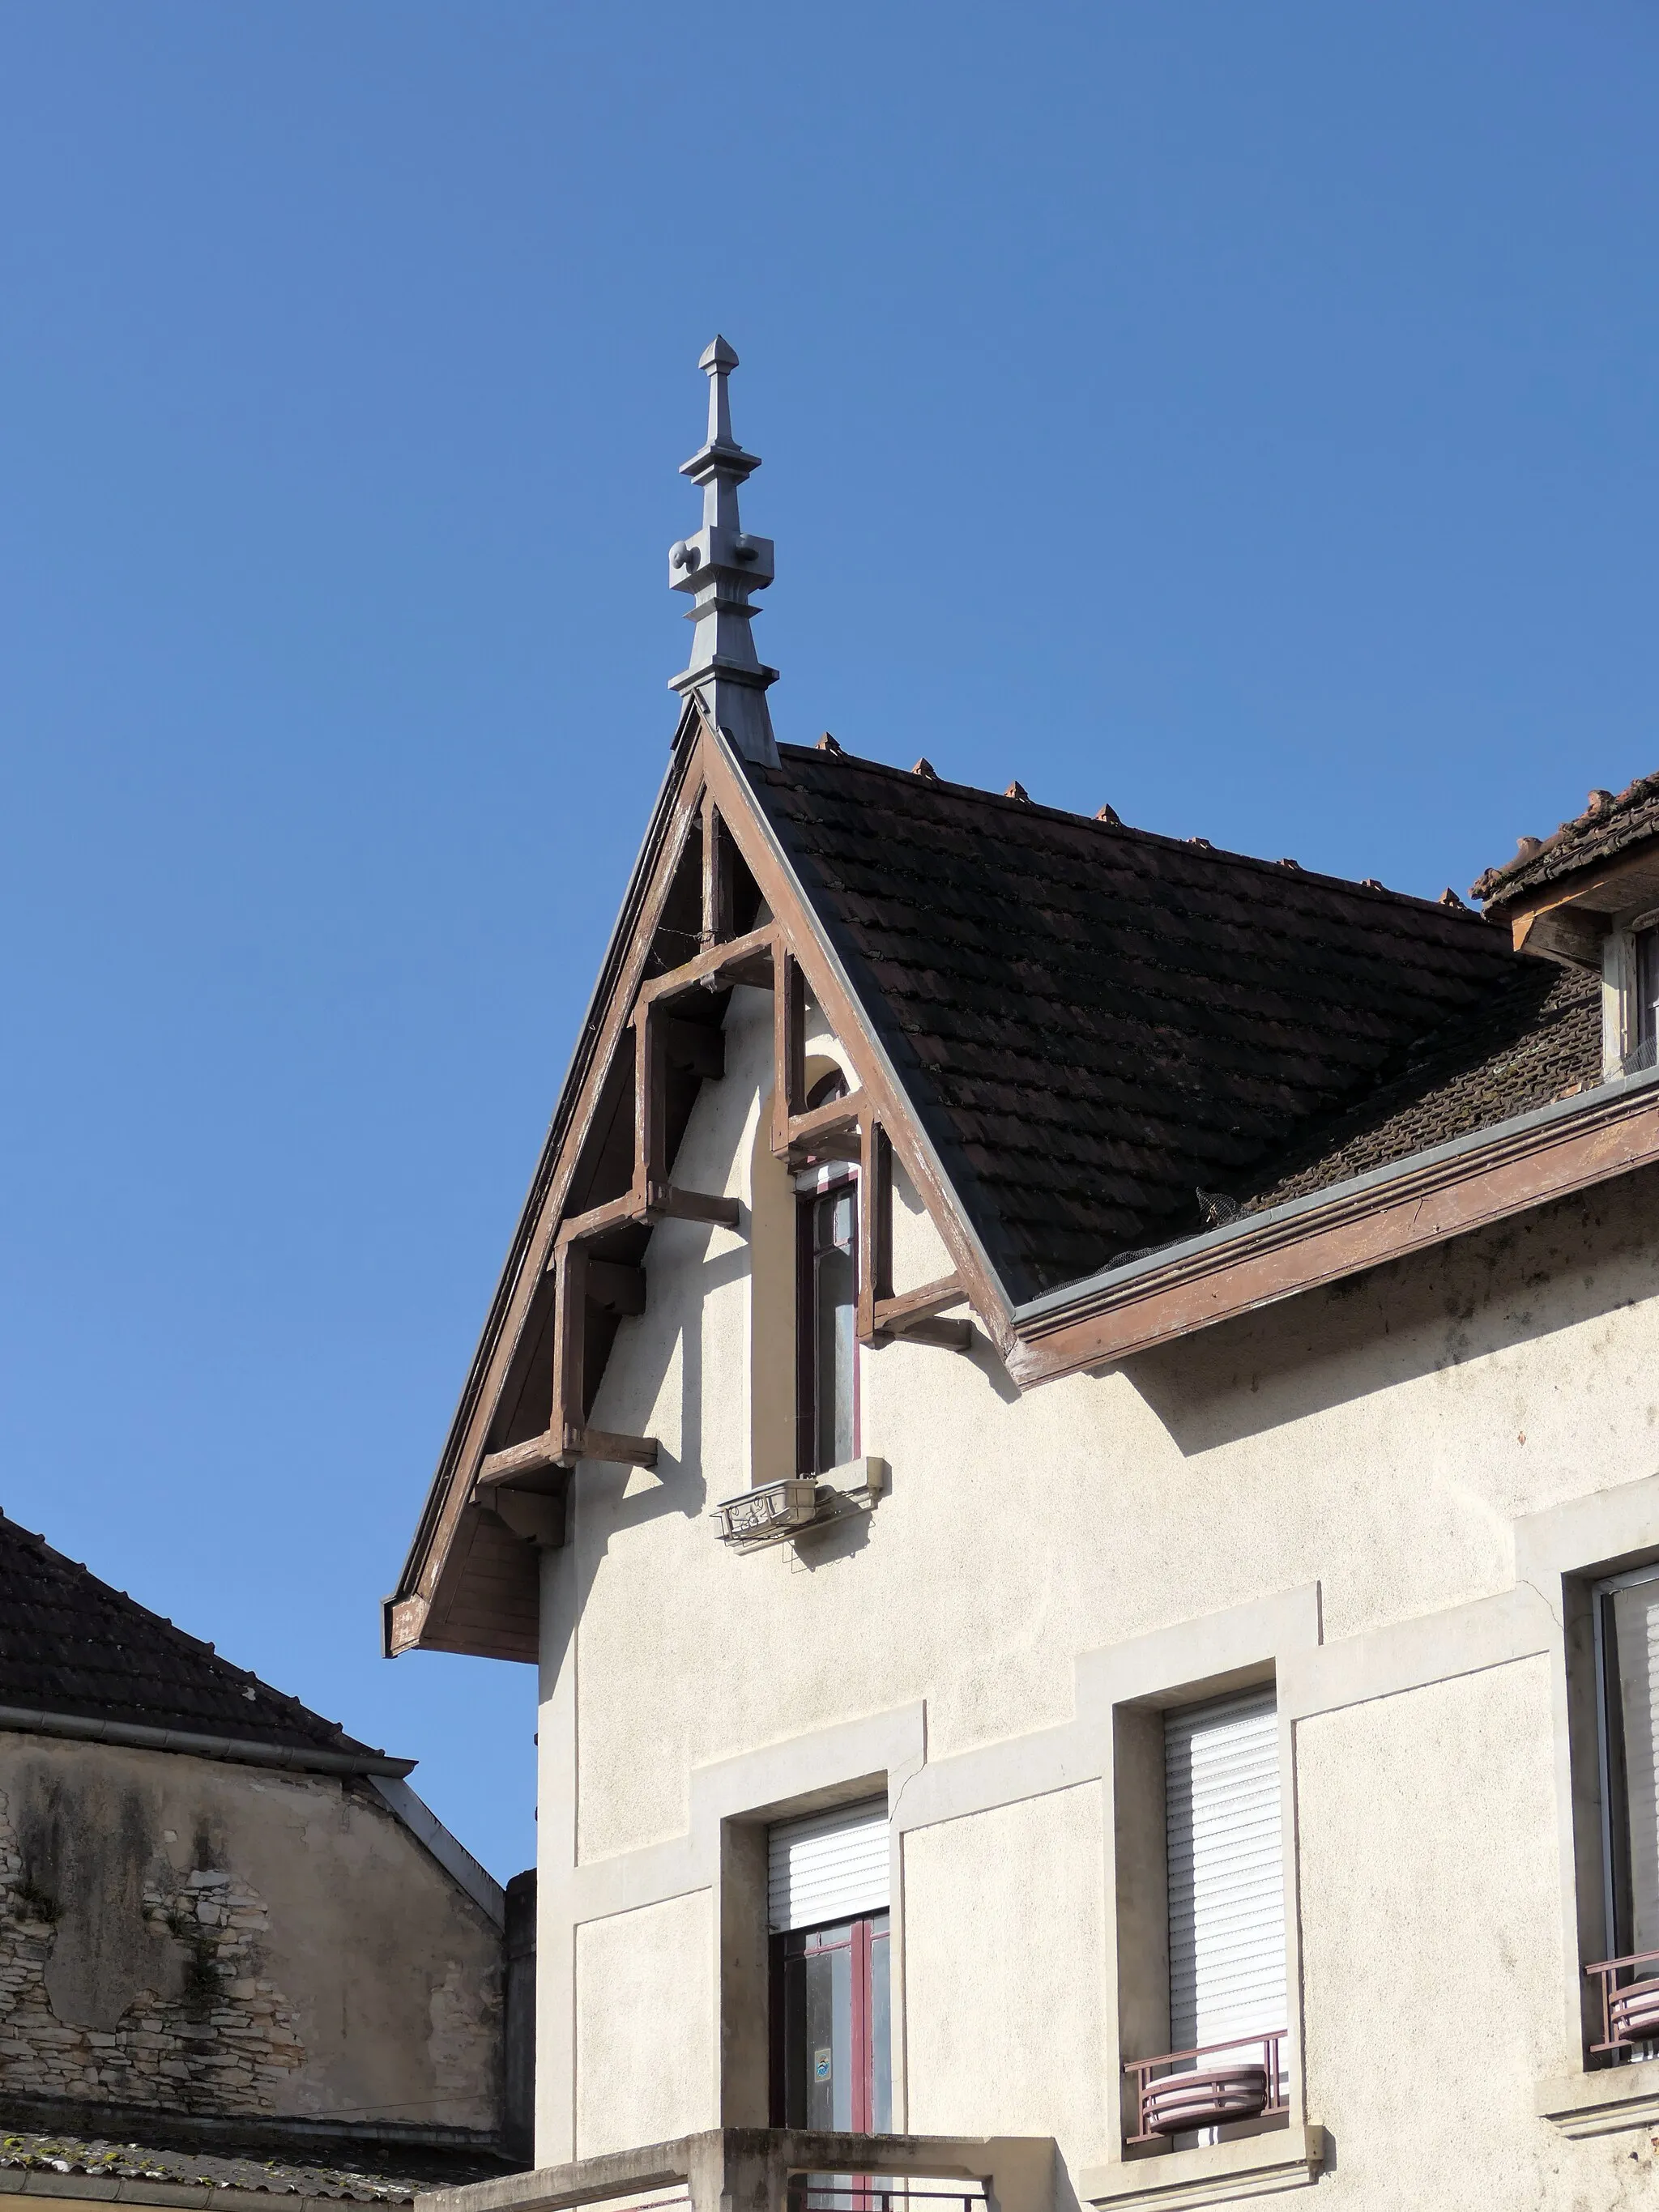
<point>712,904</point>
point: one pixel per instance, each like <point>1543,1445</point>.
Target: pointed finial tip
<point>718,355</point>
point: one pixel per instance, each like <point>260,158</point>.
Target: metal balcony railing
<point>1630,2010</point>
<point>1188,2096</point>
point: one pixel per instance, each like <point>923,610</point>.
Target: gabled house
<point>228,1928</point>
<point>1072,1423</point>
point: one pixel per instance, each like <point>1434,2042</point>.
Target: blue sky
<point>1241,411</point>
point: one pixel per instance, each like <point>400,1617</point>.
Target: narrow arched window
<point>826,1306</point>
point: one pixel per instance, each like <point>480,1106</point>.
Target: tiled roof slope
<point>361,2173</point>
<point>1609,825</point>
<point>1096,1023</point>
<point>1539,1039</point>
<point>70,1645</point>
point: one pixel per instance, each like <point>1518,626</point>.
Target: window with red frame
<point>832,2050</point>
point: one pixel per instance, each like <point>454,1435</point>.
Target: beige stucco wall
<point>204,1936</point>
<point>1005,1958</point>
<point>644,2010</point>
<point>1374,1445</point>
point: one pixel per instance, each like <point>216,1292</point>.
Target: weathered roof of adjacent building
<point>74,1649</point>
<point>365,2175</point>
<point>1106,1028</point>
<point>1610,823</point>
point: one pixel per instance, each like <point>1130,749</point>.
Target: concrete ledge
<point>751,2166</point>
<point>1601,2104</point>
<point>1215,2173</point>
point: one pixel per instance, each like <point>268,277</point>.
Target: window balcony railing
<point>1193,2096</point>
<point>1630,2010</point>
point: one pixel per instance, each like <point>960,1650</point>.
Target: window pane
<point>1647,996</point>
<point>1636,1640</point>
<point>837,1348</point>
<point>819,2028</point>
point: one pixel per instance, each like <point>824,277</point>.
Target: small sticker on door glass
<point>820,2065</point>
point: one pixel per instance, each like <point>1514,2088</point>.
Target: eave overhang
<point>1383,1214</point>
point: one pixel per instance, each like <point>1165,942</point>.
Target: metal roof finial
<point>719,566</point>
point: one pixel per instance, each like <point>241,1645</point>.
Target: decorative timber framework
<point>720,905</point>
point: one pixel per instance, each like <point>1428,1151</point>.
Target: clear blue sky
<point>1241,411</point>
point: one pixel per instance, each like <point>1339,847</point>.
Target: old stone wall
<point>210,1939</point>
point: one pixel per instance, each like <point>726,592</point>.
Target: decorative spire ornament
<point>719,567</point>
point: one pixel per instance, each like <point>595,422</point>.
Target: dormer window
<point>1645,1010</point>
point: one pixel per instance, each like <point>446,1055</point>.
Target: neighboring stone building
<point>1073,1422</point>
<point>222,1920</point>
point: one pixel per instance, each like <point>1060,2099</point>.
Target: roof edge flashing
<point>1073,1301</point>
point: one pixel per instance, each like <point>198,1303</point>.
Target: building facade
<point>1073,1424</point>
<point>222,1920</point>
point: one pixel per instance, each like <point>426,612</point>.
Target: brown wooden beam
<point>742,960</point>
<point>789,1046</point>
<point>914,1317</point>
<point>900,1314</point>
<point>604,1445</point>
<point>665,1202</point>
<point>569,1338</point>
<point>535,1456</point>
<point>598,1221</point>
<point>827,1133</point>
<point>875,1264</point>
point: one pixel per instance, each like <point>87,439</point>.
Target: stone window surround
<point>1557,1553</point>
<point>1560,1555</point>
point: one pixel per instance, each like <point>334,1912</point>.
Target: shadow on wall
<point>1567,1263</point>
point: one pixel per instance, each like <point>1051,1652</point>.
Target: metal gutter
<point>1279,1223</point>
<point>77,1728</point>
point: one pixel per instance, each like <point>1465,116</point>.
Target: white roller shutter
<point>830,1866</point>
<point>1635,1609</point>
<point>1226,1879</point>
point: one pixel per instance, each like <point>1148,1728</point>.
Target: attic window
<point>826,1305</point>
<point>1644,1013</point>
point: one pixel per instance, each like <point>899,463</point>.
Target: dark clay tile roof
<point>71,1646</point>
<point>1609,825</point>
<point>361,2173</point>
<point>1537,1040</point>
<point>1096,1023</point>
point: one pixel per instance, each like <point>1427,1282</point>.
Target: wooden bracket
<point>916,1317</point>
<point>875,1269</point>
<point>829,1132</point>
<point>650,1105</point>
<point>664,1202</point>
<point>740,960</point>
